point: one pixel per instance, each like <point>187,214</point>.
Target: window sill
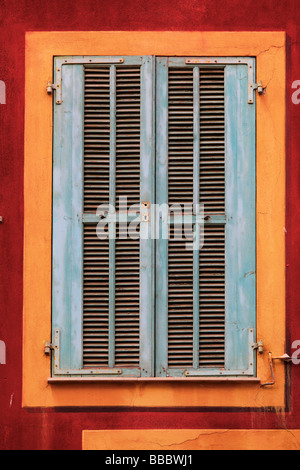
<point>81,380</point>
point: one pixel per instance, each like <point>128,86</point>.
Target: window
<point>159,132</point>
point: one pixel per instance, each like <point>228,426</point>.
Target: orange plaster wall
<point>192,439</point>
<point>269,48</point>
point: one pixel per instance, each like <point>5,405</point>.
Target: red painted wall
<point>61,429</point>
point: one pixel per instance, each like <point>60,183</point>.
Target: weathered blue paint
<point>239,219</point>
<point>240,211</point>
<point>68,218</point>
<point>67,225</point>
<point>161,296</point>
<point>147,195</point>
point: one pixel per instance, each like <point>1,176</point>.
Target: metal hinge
<point>48,348</point>
<point>259,346</point>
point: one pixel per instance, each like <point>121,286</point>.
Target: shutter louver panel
<point>128,97</point>
<point>95,299</point>
<point>96,192</point>
<point>212,195</point>
<point>196,141</point>
<point>127,304</point>
<point>180,302</point>
<point>212,140</point>
<point>180,137</point>
<point>96,137</point>
<point>127,259</point>
<point>212,298</point>
<point>112,134</point>
<point>180,192</point>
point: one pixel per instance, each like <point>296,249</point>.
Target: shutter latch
<point>259,346</point>
<point>48,348</point>
<point>145,212</point>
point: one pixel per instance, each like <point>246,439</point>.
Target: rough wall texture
<point>46,429</point>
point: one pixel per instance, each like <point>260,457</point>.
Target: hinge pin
<point>50,87</point>
<point>259,87</point>
<point>259,346</point>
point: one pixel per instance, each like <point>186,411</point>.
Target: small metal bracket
<point>259,346</point>
<point>285,358</point>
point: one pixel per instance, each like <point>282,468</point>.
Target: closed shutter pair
<point>132,135</point>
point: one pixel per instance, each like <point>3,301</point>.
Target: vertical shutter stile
<point>66,223</point>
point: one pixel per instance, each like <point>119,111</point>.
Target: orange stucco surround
<point>269,49</point>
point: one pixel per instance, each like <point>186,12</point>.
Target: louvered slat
<point>128,93</point>
<point>127,304</point>
<point>180,137</point>
<point>95,299</point>
<point>97,151</point>
<point>181,186</point>
<point>180,300</point>
<point>180,192</point>
<point>127,259</point>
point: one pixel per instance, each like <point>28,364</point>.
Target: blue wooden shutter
<point>103,290</point>
<point>205,152</point>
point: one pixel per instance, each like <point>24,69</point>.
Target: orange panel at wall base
<point>192,439</point>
